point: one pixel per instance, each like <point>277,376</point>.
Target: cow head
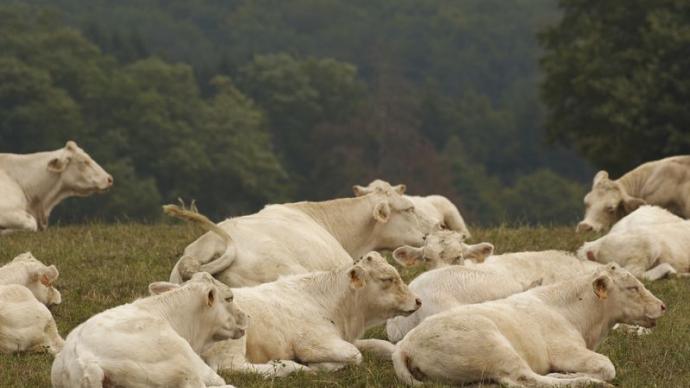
<point>606,203</point>
<point>217,303</point>
<point>78,172</point>
<point>377,185</point>
<point>627,299</point>
<point>40,278</point>
<point>443,248</point>
<point>379,286</point>
<point>397,221</point>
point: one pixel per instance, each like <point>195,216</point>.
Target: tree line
<point>241,103</point>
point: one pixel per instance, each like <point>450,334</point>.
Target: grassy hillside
<point>103,266</point>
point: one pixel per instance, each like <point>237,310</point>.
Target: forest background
<point>505,107</point>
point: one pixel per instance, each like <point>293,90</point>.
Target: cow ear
<point>58,164</point>
<point>400,189</point>
<point>210,296</point>
<point>382,212</point>
<point>479,252</point>
<point>360,190</point>
<point>71,145</point>
<point>157,288</point>
<point>601,286</point>
<point>631,204</point>
<point>600,175</point>
<point>356,274</point>
<point>408,256</point>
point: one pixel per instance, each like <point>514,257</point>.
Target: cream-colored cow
<point>544,337</point>
<point>313,321</point>
<point>300,237</point>
<point>25,323</point>
<point>154,341</point>
<point>436,207</point>
<point>650,252</point>
<point>31,185</point>
<point>499,276</point>
<point>29,272</point>
<point>664,183</point>
<point>443,248</point>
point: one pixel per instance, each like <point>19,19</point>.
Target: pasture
<point>106,265</point>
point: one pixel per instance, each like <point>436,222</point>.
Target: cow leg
<point>276,368</point>
<point>329,354</point>
<point>575,359</point>
<point>16,220</point>
<point>660,271</point>
<point>54,341</point>
<point>380,348</point>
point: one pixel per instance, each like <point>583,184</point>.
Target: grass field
<point>106,265</point>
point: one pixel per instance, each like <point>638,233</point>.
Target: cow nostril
<point>418,302</point>
<point>110,180</point>
<point>663,307</point>
<point>590,256</point>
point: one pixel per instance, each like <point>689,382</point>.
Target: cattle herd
<point>295,286</point>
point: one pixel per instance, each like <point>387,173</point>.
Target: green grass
<point>106,265</point>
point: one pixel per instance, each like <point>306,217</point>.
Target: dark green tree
<point>617,80</point>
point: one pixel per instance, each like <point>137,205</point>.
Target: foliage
<point>241,103</point>
<point>617,80</point>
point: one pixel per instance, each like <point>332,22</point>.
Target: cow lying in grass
<point>301,237</point>
<point>154,341</point>
<point>436,207</point>
<point>29,272</point>
<point>542,337</point>
<point>650,252</point>
<point>498,277</point>
<point>25,323</point>
<point>314,320</point>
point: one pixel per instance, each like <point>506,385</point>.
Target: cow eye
<point>388,280</point>
<point>634,288</point>
<point>229,299</point>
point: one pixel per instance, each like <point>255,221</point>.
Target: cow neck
<point>342,305</point>
<point>576,301</point>
<point>349,220</point>
<point>633,182</point>
<point>43,189</point>
<point>168,307</point>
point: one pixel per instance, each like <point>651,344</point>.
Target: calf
<point>499,276</point>
<point>650,252</point>
<point>517,340</point>
<point>25,323</point>
<point>314,319</point>
<point>664,183</point>
<point>441,249</point>
<point>29,272</point>
<point>154,341</point>
<point>436,207</point>
<point>31,185</point>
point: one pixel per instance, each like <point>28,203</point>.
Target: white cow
<point>435,207</point>
<point>664,183</point>
<point>300,237</point>
<point>650,252</point>
<point>645,215</point>
<point>443,248</point>
<point>314,319</point>
<point>544,337</point>
<point>499,276</point>
<point>32,185</point>
<point>154,341</point>
<point>29,272</point>
<point>25,323</point>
